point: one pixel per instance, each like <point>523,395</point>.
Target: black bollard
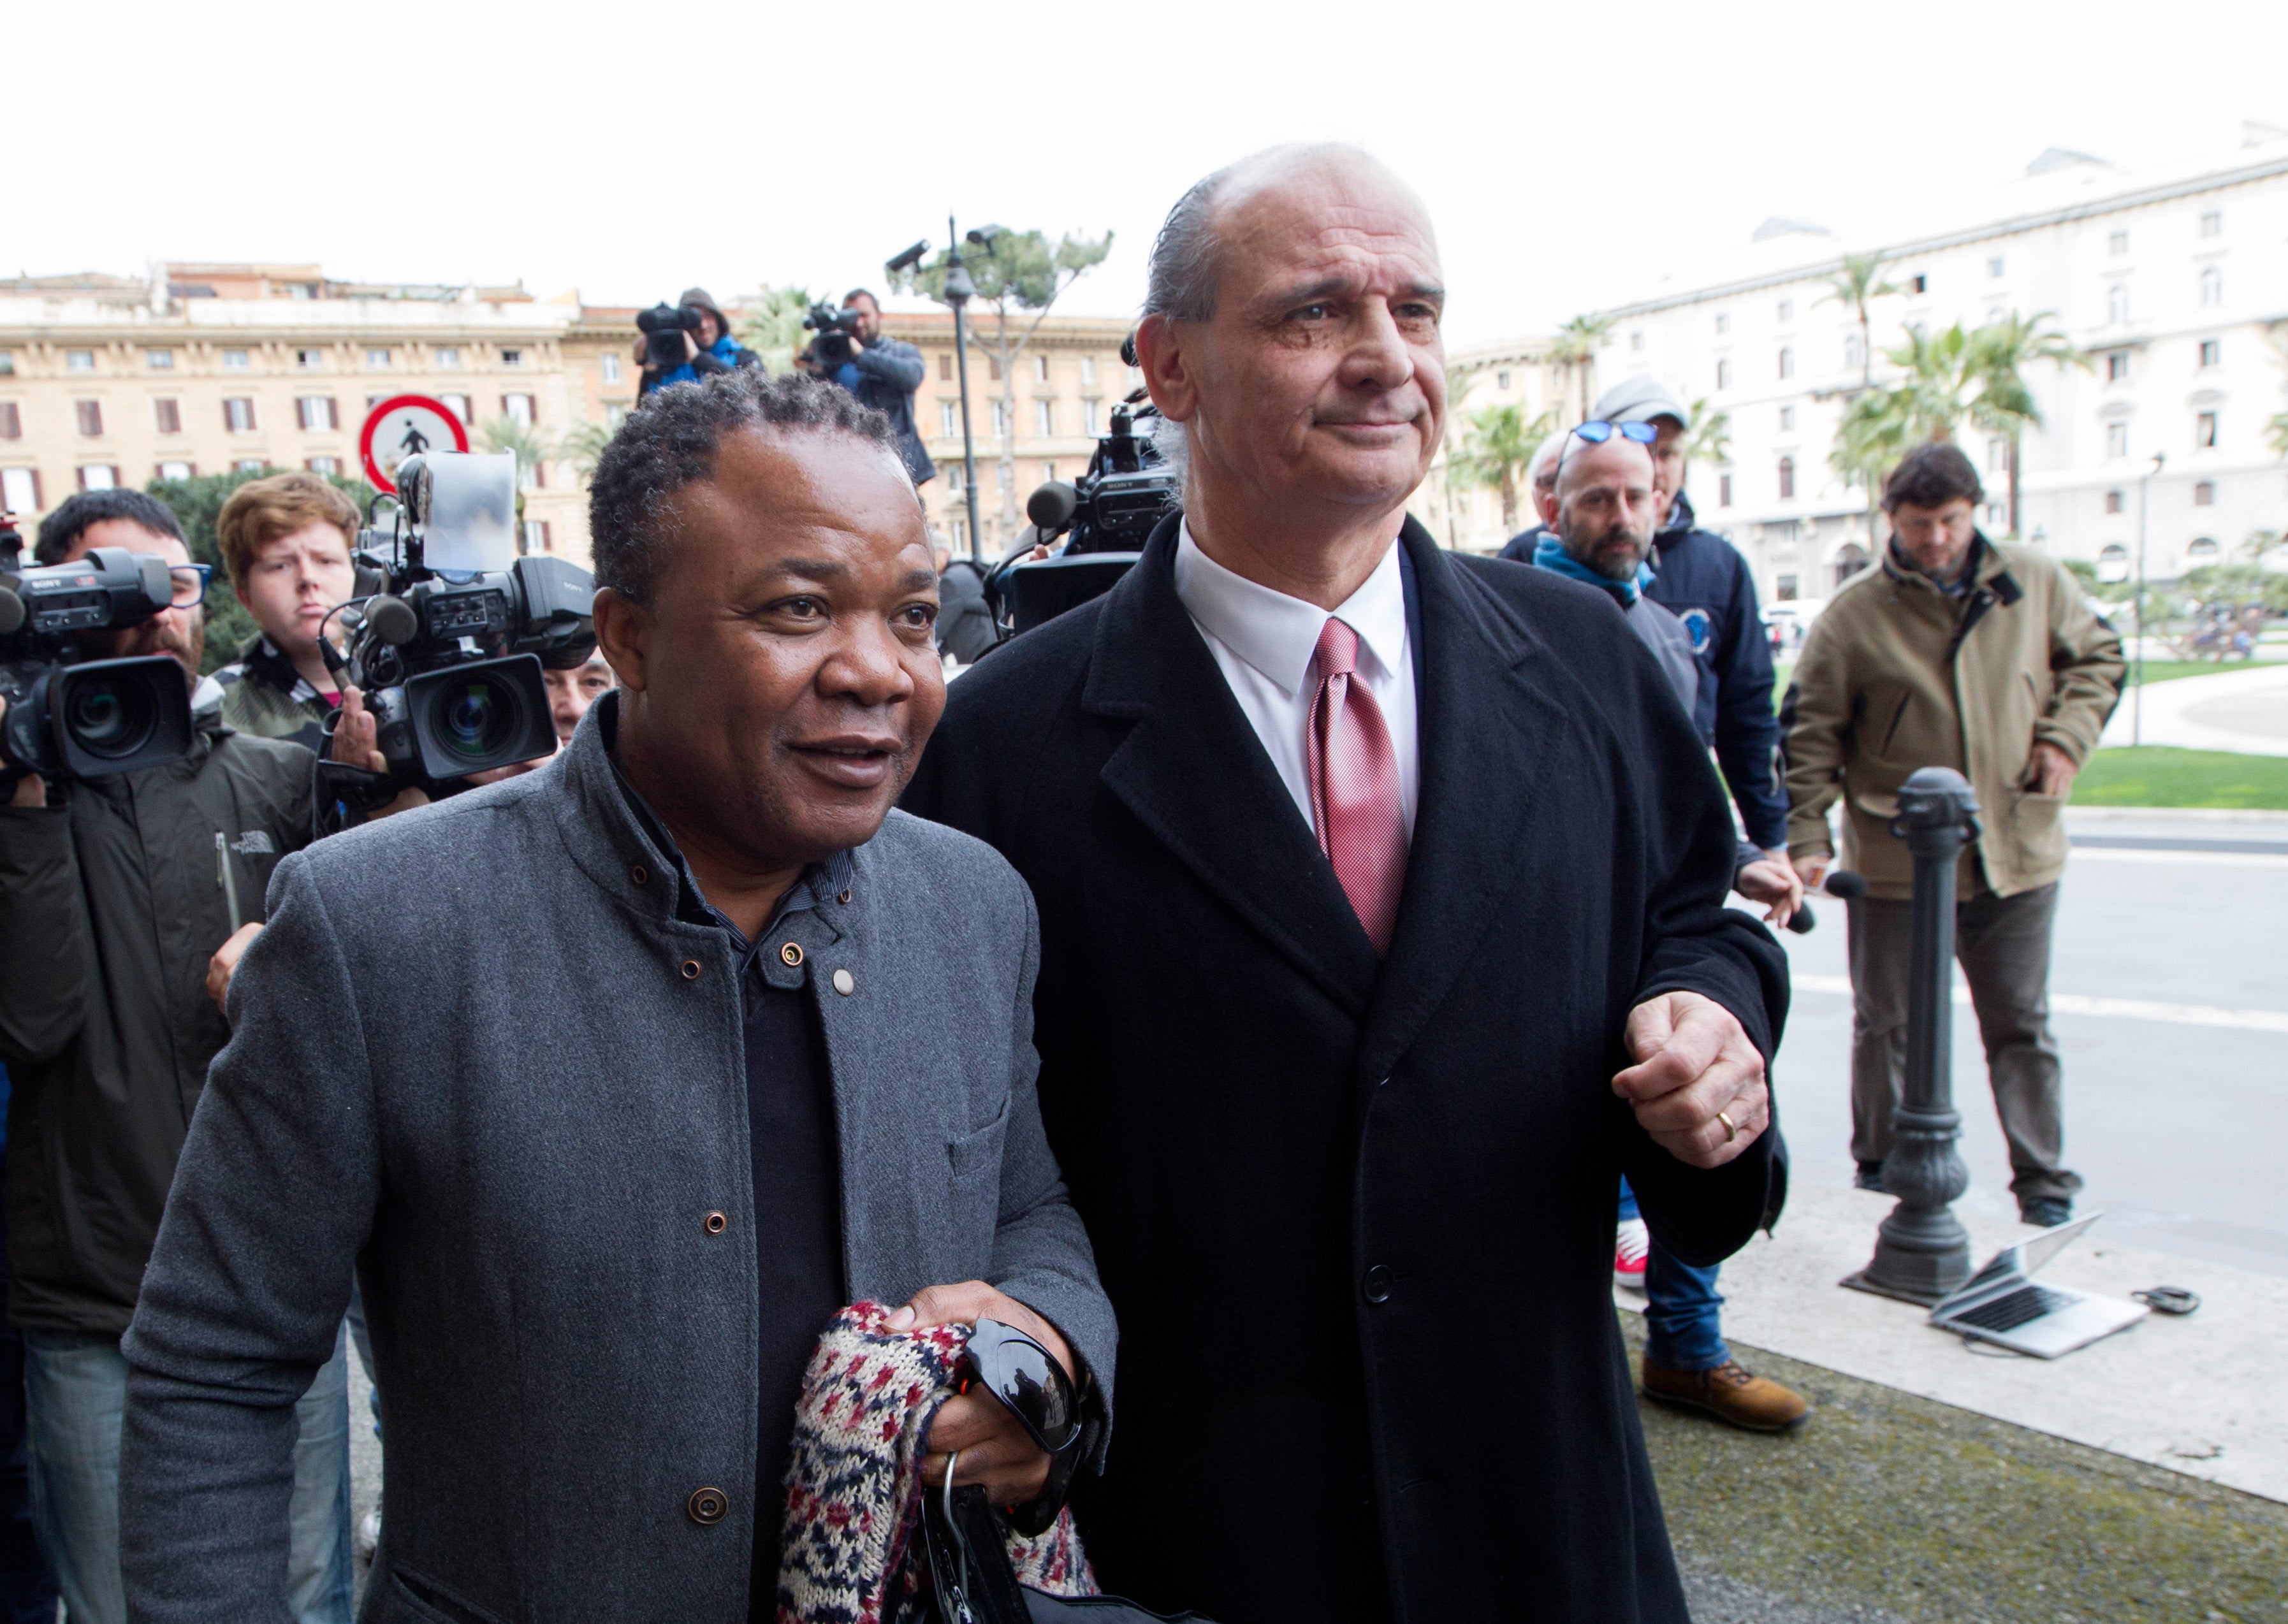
<point>1922,1252</point>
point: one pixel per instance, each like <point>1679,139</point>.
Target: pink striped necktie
<point>1353,775</point>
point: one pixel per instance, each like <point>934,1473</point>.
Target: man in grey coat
<point>615,1079</point>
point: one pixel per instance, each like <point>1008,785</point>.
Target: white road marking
<point>2126,1009</point>
<point>2206,859</point>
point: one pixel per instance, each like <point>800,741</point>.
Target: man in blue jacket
<point>711,349</point>
<point>884,373</point>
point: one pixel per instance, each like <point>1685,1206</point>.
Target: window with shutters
<point>1092,416</point>
<point>1918,284</point>
<point>1787,362</point>
<point>1787,478</point>
<point>99,477</point>
<point>518,410</point>
<point>2114,501</point>
<point>1723,490</point>
<point>2116,440</point>
<point>1787,418</point>
<point>12,420</point>
<point>310,360</point>
<point>536,536</point>
<point>611,367</point>
<point>447,358</point>
<point>945,368</point>
<point>19,489</point>
<point>2117,302</point>
<point>238,415</point>
<point>7,363</point>
<point>1040,369</point>
<point>89,414</point>
<point>948,419</point>
<point>2212,352</point>
<point>1001,417</point>
<point>233,360</point>
<point>2205,430</point>
<point>2212,224</point>
<point>377,360</point>
<point>1723,374</point>
<point>1787,310</point>
<point>993,367</point>
<point>1088,370</point>
<point>512,358</point>
<point>318,412</point>
<point>178,471</point>
<point>159,361</point>
<point>2204,494</point>
<point>248,464</point>
<point>2212,285</point>
<point>1723,324</point>
<point>458,405</point>
<point>323,465</point>
<point>1048,472</point>
<point>2118,243</point>
<point>2116,367</point>
<point>1045,416</point>
<point>79,361</point>
<point>167,416</point>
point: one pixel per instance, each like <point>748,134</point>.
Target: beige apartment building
<point>110,381</point>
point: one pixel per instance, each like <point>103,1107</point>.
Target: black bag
<point>973,1582</point>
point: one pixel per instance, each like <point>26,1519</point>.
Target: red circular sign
<point>400,426</point>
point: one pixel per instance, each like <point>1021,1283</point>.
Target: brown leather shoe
<point>1730,1393</point>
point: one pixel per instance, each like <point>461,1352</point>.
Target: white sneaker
<point>368,1536</point>
<point>1630,1245</point>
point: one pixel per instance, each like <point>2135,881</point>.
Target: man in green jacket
<point>111,911</point>
<point>1956,652</point>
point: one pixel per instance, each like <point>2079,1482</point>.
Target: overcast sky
<point>1567,153</point>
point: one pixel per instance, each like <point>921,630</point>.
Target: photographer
<point>110,908</point>
<point>708,347</point>
<point>882,373</point>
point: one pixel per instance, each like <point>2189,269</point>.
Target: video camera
<point>1105,516</point>
<point>73,718</point>
<point>447,651</point>
<point>835,328</point>
<point>663,326</point>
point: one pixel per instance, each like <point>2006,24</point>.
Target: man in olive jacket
<point>1956,653</point>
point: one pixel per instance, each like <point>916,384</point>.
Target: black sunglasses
<point>1027,1379</point>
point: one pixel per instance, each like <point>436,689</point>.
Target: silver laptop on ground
<point>2002,1304</point>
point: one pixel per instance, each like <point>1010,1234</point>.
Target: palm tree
<point>532,449</point>
<point>1497,448</point>
<point>771,326</point>
<point>2277,433</point>
<point>2001,351</point>
<point>1857,282</point>
<point>1575,348</point>
<point>583,447</point>
<point>1711,442</point>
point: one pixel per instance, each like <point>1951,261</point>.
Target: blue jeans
<point>1684,1312</point>
<point>76,1399</point>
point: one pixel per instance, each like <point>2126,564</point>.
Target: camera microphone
<point>1052,506</point>
<point>392,620</point>
<point>1844,883</point>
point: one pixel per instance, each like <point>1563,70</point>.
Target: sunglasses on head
<point>1597,431</point>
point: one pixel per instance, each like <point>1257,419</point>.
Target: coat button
<point>641,875</point>
<point>1377,1283</point>
<point>717,1222</point>
<point>791,955</point>
<point>708,1506</point>
<point>845,983</point>
<point>691,970</point>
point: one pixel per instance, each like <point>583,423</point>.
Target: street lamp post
<point>2137,680</point>
<point>1922,1252</point>
<point>958,291</point>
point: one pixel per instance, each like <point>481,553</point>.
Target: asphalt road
<point>2177,1124</point>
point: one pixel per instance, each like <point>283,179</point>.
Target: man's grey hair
<point>1542,471</point>
<point>1188,257</point>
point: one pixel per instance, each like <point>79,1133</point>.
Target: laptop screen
<point>2033,1254</point>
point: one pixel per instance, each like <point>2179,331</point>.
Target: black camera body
<point>1105,518</point>
<point>663,326</point>
<point>835,329</point>
<point>70,717</point>
<point>451,661</point>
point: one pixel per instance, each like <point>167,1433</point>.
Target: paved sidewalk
<point>2245,709</point>
<point>2199,1395</point>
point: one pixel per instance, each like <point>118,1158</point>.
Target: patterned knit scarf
<point>849,1553</point>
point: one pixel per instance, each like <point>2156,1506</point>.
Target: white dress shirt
<point>1263,641</point>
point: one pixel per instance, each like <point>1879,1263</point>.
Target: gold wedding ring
<point>1731,1132</point>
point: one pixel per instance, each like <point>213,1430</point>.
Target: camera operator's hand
<point>225,963</point>
<point>357,743</point>
<point>30,790</point>
<point>1772,881</point>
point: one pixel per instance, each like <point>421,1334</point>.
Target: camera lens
<point>475,720</point>
<point>110,717</point>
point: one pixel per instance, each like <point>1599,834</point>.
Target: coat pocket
<point>973,1195</point>
<point>413,1597</point>
<point>2037,827</point>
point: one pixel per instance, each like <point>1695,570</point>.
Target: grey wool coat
<point>476,1056</point>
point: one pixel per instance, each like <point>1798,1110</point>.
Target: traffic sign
<point>400,426</point>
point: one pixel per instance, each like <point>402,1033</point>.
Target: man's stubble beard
<point>189,647</point>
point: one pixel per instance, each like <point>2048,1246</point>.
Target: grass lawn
<point>2158,775</point>
<point>2168,671</point>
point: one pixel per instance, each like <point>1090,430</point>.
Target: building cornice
<point>2013,226</point>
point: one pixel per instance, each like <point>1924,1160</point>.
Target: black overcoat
<point>1356,1218</point>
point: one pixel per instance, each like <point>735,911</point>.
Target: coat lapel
<point>1491,725</point>
<point>1194,774</point>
